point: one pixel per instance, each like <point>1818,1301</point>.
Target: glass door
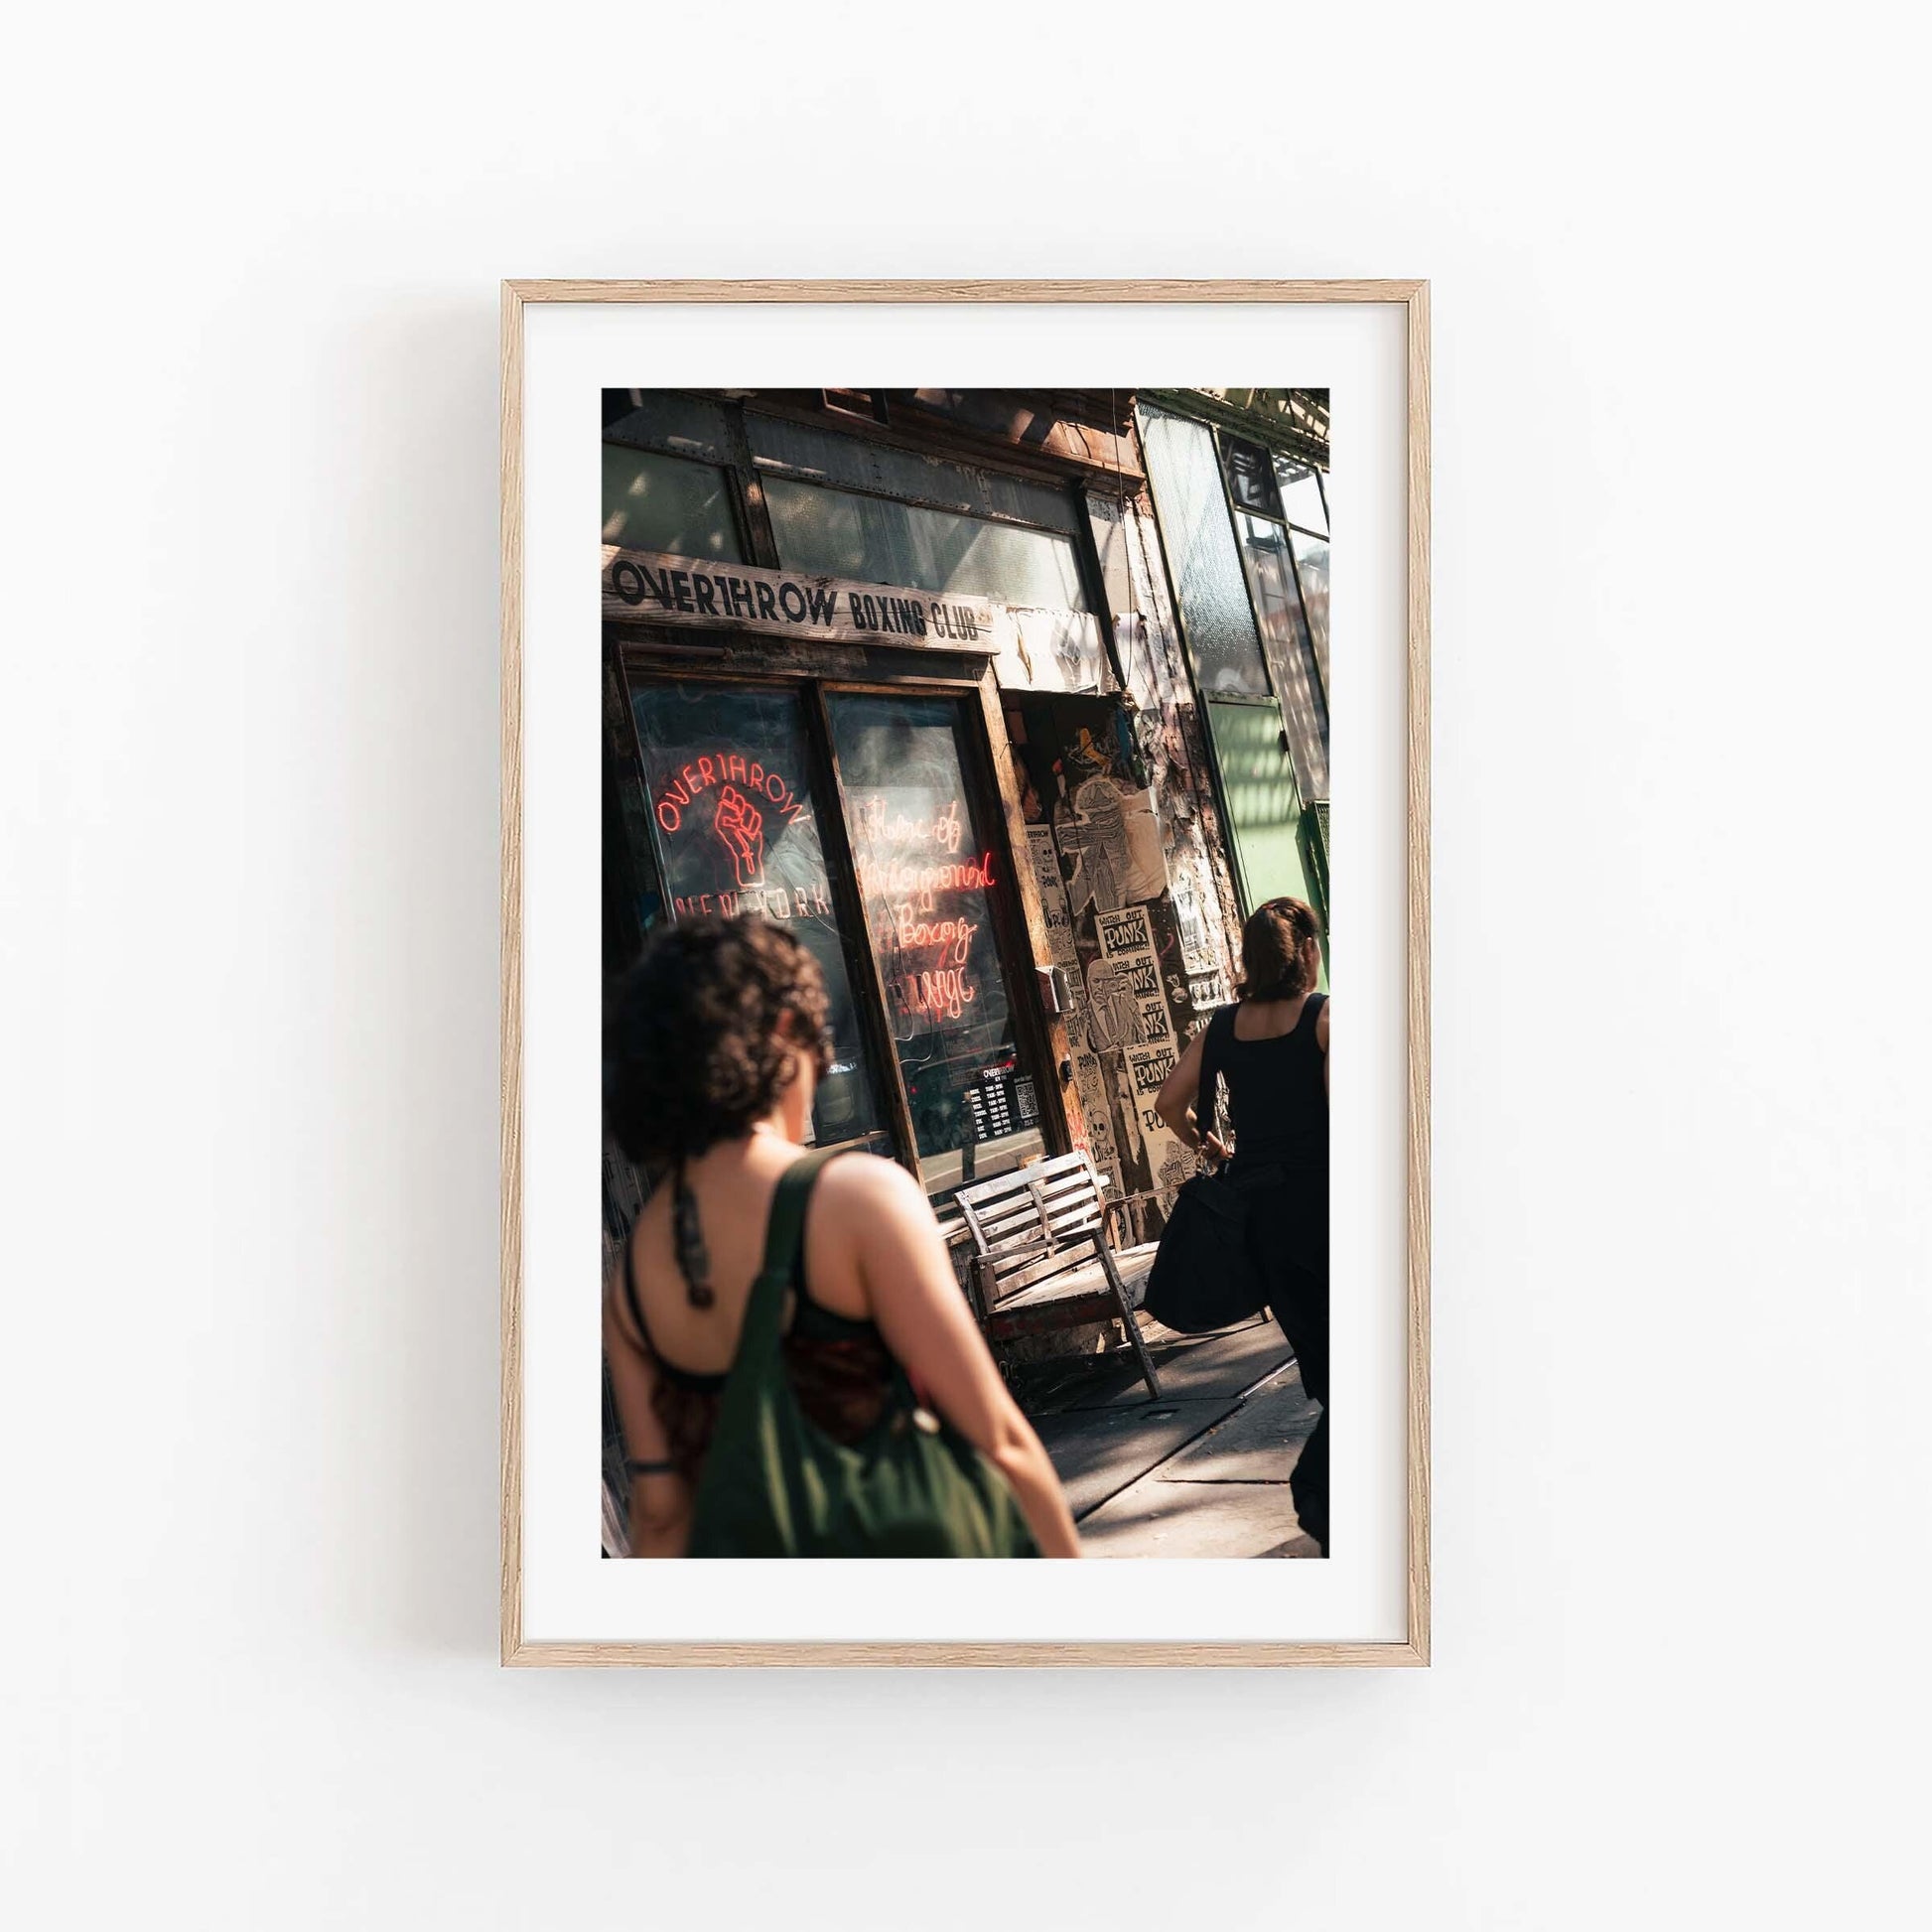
<point>929,880</point>
<point>735,816</point>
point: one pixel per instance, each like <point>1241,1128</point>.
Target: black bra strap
<point>795,1279</point>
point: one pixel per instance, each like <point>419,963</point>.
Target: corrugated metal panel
<point>678,424</point>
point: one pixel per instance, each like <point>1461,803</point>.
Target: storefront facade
<point>904,670</point>
<point>1239,478</point>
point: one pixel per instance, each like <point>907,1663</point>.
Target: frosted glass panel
<point>837,533</point>
<point>1202,555</point>
<point>663,502</point>
<point>1312,565</point>
<point>1278,610</point>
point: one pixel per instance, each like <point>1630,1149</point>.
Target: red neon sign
<point>749,775</point>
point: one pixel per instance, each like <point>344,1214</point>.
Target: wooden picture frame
<point>1414,1649</point>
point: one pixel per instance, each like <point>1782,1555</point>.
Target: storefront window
<point>927,876</point>
<point>666,504</point>
<point>839,533</point>
<point>1201,554</point>
<point>1251,477</point>
<point>1278,610</point>
<point>1303,500</point>
<point>1312,567</point>
<point>737,827</point>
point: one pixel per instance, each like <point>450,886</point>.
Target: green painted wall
<point>1264,807</point>
<point>1263,803</point>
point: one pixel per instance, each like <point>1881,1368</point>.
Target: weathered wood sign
<point>643,585</point>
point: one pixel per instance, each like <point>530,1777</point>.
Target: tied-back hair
<point>1274,950</point>
<point>699,1036</point>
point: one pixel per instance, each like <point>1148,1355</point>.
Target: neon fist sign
<point>748,799</point>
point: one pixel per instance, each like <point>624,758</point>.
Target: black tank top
<point>1277,1091</point>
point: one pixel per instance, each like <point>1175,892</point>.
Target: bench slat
<point>1082,1177</point>
<point>1022,1241</point>
<point>983,1194</point>
<point>1041,1259</point>
<point>1042,1206</point>
<point>1074,1219</point>
<point>1008,1215</point>
<point>1008,1282</point>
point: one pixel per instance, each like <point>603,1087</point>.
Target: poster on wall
<point>1092,836</point>
<point>1053,896</point>
<point>1170,1160</point>
<point>1132,972</point>
<point>1051,650</point>
<point>892,872</point>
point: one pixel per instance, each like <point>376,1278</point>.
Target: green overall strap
<point>765,1310</point>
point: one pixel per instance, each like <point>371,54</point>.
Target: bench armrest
<point>1108,1204</point>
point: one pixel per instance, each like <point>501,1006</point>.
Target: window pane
<point>837,533</point>
<point>1200,546</point>
<point>734,820</point>
<point>1251,477</point>
<point>1301,494</point>
<point>663,502</point>
<point>1312,565</point>
<point>927,877</point>
<point>1278,610</point>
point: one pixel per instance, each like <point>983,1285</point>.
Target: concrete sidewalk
<point>1203,1471</point>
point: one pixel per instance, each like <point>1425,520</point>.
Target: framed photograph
<point>992,724</point>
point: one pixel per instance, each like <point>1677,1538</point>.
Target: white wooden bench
<point>1041,1258</point>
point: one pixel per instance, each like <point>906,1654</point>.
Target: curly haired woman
<point>712,1054</point>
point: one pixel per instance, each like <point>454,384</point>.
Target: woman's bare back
<point>1269,1019</point>
<point>733,1185</point>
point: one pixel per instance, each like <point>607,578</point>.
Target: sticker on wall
<point>1146,869</point>
<point>1089,1081</point>
<point>1112,1013</point>
<point>1195,908</point>
<point>1168,1160</point>
<point>1051,650</point>
<point>1053,896</point>
<point>1093,836</point>
<point>1127,977</point>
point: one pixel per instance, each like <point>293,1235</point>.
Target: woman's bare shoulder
<point>867,1183</point>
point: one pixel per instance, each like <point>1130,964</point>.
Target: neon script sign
<point>905,865</point>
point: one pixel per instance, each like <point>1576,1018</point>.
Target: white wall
<point>248,749</point>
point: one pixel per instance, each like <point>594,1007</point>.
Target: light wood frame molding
<point>1415,1650</point>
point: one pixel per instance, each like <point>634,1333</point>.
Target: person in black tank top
<point>1272,1051</point>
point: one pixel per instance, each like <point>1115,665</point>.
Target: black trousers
<point>1288,1238</point>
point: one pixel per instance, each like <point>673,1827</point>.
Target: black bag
<point>1204,1277</point>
